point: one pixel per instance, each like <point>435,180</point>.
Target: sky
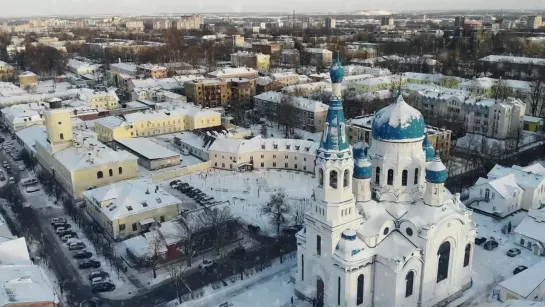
<point>18,8</point>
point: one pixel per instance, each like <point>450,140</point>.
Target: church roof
<point>396,247</point>
<point>436,172</point>
<point>428,148</point>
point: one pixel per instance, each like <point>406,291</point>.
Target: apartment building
<point>290,58</point>
<point>511,66</point>
<point>101,99</point>
<point>330,23</point>
<point>151,71</point>
<point>258,153</point>
<point>287,78</point>
<point>148,123</point>
<point>239,72</point>
<point>242,90</point>
<point>266,47</point>
<point>21,116</point>
<point>253,60</point>
<point>359,128</point>
<point>6,71</point>
<point>317,57</point>
<point>136,25</point>
<point>307,89</point>
<point>208,92</point>
<point>162,24</point>
<point>189,22</point>
<point>307,114</point>
<point>534,22</point>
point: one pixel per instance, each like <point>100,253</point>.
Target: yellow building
<point>257,61</point>
<point>6,71</point>
<point>534,124</point>
<point>129,208</point>
<point>149,123</point>
<point>77,160</point>
<point>208,92</point>
<point>102,100</point>
<point>28,79</point>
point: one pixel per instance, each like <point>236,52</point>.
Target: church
<point>383,230</point>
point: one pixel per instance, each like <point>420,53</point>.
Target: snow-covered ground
<point>273,131</point>
<point>474,142</point>
<point>248,192</point>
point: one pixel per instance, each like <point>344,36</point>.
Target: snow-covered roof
<point>130,197</point>
<point>531,228</point>
<point>110,121</point>
<point>525,176</point>
<point>21,284</point>
<point>514,59</point>
<point>318,50</point>
<point>225,72</point>
<point>14,252</point>
<point>298,102</point>
<point>182,110</point>
<point>505,185</point>
<point>30,135</point>
<point>257,144</point>
<point>533,119</point>
<point>487,83</point>
<point>147,148</point>
<point>525,282</point>
<point>395,247</point>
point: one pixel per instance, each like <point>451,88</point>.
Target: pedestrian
<point>292,300</point>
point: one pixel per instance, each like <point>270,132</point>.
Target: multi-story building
<point>6,71</point>
<point>387,20</point>
<point>534,22</point>
<point>317,57</point>
<point>82,68</point>
<point>129,69</point>
<point>151,71</point>
<point>307,114</point>
<point>136,25</point>
<point>290,58</point>
<point>141,124</point>
<point>208,92</point>
<point>129,208</point>
<point>259,153</point>
<point>239,72</point>
<point>287,78</point>
<point>511,66</point>
<point>360,129</point>
<point>257,61</point>
<point>377,84</point>
<point>162,24</point>
<point>77,159</point>
<point>266,47</point>
<point>330,23</point>
<point>101,99</point>
<point>242,90</point>
<point>236,40</point>
<point>21,116</point>
<point>190,22</point>
<point>28,79</point>
<point>307,89</point>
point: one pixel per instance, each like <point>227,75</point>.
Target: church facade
<point>383,230</point>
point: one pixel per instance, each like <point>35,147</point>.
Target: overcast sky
<point>13,8</point>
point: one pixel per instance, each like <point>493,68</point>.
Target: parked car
<point>174,183</point>
<point>99,280</point>
<point>66,226</point>
<point>237,252</point>
<point>490,245</point>
<point>5,163</point>
<point>21,167</point>
<point>480,240</point>
<point>185,189</point>
<point>200,196</point>
<point>56,220</point>
<point>89,263</point>
<point>82,255</point>
<point>182,185</point>
<point>94,302</point>
<point>32,189</point>
<point>2,178</point>
<point>254,228</point>
<point>519,269</point>
<point>513,252</point>
<point>194,193</point>
<point>96,274</point>
<point>207,264</point>
<point>68,232</point>
<point>65,236</point>
<point>11,180</point>
<point>76,246</point>
<point>103,287</point>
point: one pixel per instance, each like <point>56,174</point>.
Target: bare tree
<point>220,223</point>
<point>277,210</point>
<point>500,91</point>
<point>286,114</point>
<point>299,209</point>
<point>536,96</point>
<point>189,240</point>
<point>154,251</point>
<point>176,272</point>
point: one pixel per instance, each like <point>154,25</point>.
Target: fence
<point>181,171</point>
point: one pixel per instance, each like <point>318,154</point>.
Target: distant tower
<point>363,171</point>
<point>59,128</point>
<point>436,175</point>
<point>330,23</point>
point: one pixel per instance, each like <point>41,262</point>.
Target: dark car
<point>68,232</point>
<point>513,252</point>
<point>174,183</point>
<point>237,252</point>
<point>254,228</point>
<point>82,255</point>
<point>103,287</point>
<point>480,240</point>
<point>87,264</point>
<point>182,185</point>
<point>490,245</point>
<point>94,302</point>
<point>519,269</point>
<point>200,196</point>
<point>96,274</point>
<point>65,226</point>
<point>185,188</point>
<point>194,193</point>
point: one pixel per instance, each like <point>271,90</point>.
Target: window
<point>386,230</point>
<point>377,175</point>
<point>121,227</point>
<point>409,231</point>
<point>120,170</point>
<point>487,194</point>
<point>61,136</point>
<point>444,257</point>
<point>339,291</point>
<point>390,177</point>
<point>522,242</point>
<point>404,175</point>
<point>318,245</point>
<point>262,164</point>
<point>100,175</point>
<point>467,255</point>
<point>274,164</point>
<point>285,165</point>
<point>409,282</point>
<point>346,178</point>
<point>359,298</point>
<point>416,171</point>
<point>162,218</point>
<point>302,267</point>
<point>333,179</point>
<point>111,172</point>
<point>321,177</point>
<point>134,227</point>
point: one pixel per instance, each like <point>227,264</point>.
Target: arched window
<point>390,177</point>
<point>61,136</point>
<point>100,175</point>
<point>120,169</point>
<point>111,172</point>
<point>442,265</point>
<point>409,283</point>
<point>346,178</point>
<point>359,298</point>
<point>302,267</point>
<point>333,176</point>
<point>487,194</point>
<point>339,291</point>
<point>467,255</point>
<point>404,175</point>
<point>321,177</point>
<point>416,171</point>
<point>377,175</point>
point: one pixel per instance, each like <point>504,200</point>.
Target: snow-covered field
<point>273,131</point>
<point>248,192</point>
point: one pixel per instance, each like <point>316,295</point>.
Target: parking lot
<point>184,192</point>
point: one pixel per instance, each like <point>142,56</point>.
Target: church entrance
<point>319,292</point>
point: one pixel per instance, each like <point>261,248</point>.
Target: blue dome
<point>436,172</point>
<point>428,149</point>
<point>336,72</point>
<point>363,169</point>
<point>398,122</point>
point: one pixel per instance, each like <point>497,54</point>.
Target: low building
<point>239,72</point>
<point>129,69</point>
<point>82,68</point>
<point>307,89</point>
<point>139,124</point>
<point>359,128</point>
<point>257,61</point>
<point>151,71</point>
<point>290,58</point>
<point>259,153</point>
<point>28,79</point>
<point>377,84</point>
<point>266,47</point>
<point>7,72</point>
<point>307,114</point>
<point>101,99</point>
<point>317,57</point>
<point>131,207</point>
<point>21,116</point>
<point>287,78</point>
<point>194,144</point>
<point>534,124</point>
<point>526,285</point>
<point>150,155</point>
<point>208,92</point>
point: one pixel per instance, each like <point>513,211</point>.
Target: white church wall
<point>351,292</point>
<point>385,286</point>
<point>412,265</point>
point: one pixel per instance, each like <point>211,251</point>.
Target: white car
<point>32,189</point>
<point>11,180</point>
<point>207,263</point>
<point>21,167</point>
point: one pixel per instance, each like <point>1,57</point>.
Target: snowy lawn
<point>248,192</point>
<point>273,131</point>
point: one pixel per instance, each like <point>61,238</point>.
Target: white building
<point>82,68</point>
<point>383,230</point>
<point>526,285</point>
<point>21,116</point>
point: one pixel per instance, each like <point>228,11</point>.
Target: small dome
<point>349,245</point>
<point>436,172</point>
<point>336,72</point>
<point>362,167</point>
<point>398,122</point>
<point>428,149</point>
